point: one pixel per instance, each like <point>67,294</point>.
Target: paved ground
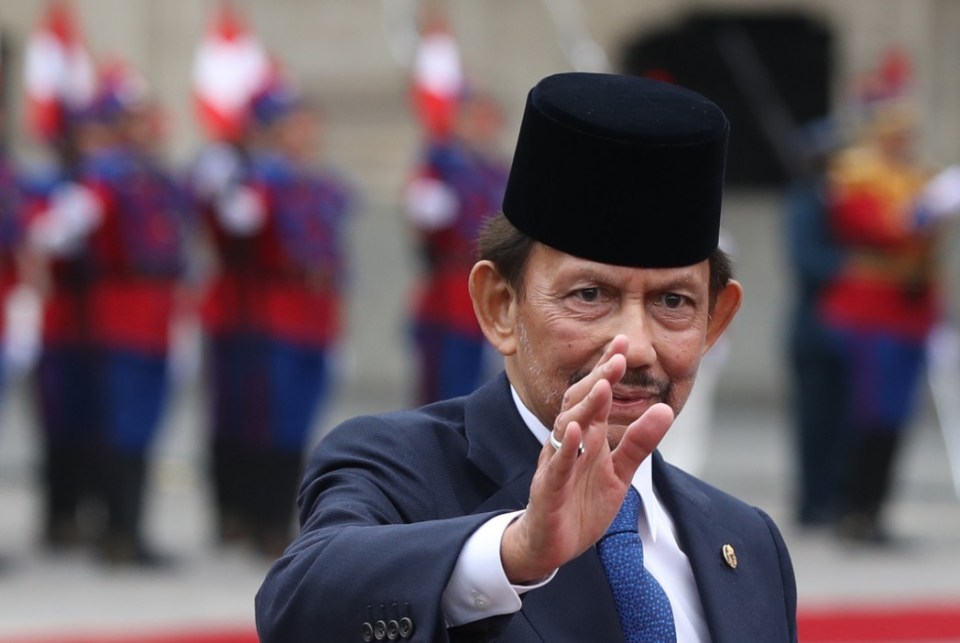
<point>749,455</point>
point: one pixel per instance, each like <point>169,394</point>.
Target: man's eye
<point>673,300</point>
<point>588,294</point>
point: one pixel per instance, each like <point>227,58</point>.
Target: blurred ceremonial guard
<point>230,67</point>
<point>60,82</point>
<point>12,223</point>
<point>11,238</point>
<point>141,217</point>
<point>817,373</point>
<point>458,183</point>
<point>130,217</point>
<point>293,213</point>
<point>885,301</point>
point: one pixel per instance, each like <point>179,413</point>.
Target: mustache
<point>635,377</point>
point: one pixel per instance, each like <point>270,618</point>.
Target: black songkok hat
<point>620,170</point>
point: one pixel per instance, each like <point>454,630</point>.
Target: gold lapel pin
<point>729,556</point>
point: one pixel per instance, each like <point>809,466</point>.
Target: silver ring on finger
<point>556,444</point>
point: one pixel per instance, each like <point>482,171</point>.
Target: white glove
<point>943,348</point>
<point>941,196</point>
<point>218,166</point>
<point>78,208</point>
<point>430,203</point>
<point>74,212</point>
<point>21,335</point>
<point>241,211</point>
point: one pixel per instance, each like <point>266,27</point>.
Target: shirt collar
<point>653,510</point>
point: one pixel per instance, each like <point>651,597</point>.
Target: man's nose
<point>636,325</point>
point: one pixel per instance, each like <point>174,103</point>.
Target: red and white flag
<point>59,72</point>
<point>438,79</point>
<point>230,66</point>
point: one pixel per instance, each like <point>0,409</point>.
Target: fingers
<point>640,439</point>
<point>592,410</point>
<point>577,405</point>
<point>608,367</point>
<point>583,442</point>
<point>563,461</point>
<point>586,434</point>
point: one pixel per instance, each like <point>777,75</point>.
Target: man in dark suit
<point>485,518</point>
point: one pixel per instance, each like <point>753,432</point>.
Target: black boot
<point>868,487</point>
<point>280,477</point>
<point>231,472</point>
<point>61,498</point>
<point>73,502</point>
<point>124,477</point>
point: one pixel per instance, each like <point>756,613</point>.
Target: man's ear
<point>726,306</point>
<point>494,303</point>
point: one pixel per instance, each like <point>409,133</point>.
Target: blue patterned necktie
<point>644,608</point>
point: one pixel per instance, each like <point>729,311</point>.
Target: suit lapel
<point>703,533</point>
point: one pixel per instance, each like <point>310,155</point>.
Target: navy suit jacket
<point>388,502</point>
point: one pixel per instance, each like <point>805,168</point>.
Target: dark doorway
<point>770,72</point>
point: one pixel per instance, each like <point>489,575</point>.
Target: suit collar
<point>677,487</point>
<point>499,443</point>
<point>703,532</point>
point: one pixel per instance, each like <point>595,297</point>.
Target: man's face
<point>572,308</point>
<point>298,133</point>
<point>480,121</point>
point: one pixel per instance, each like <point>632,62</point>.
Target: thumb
<point>640,439</point>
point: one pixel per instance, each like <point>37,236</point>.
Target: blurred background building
<point>770,64</point>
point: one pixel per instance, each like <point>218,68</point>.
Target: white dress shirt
<point>478,587</point>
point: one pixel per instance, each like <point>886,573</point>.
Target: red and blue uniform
<point>301,275</point>
<point>886,300</point>
<point>66,375</point>
<point>880,309</point>
<point>448,338</point>
<point>302,269</point>
<point>301,255</point>
<point>137,254</point>
<point>233,346</point>
<point>136,250</point>
<point>272,315</point>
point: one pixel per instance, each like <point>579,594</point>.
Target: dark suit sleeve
<point>384,516</point>
<point>786,574</point>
